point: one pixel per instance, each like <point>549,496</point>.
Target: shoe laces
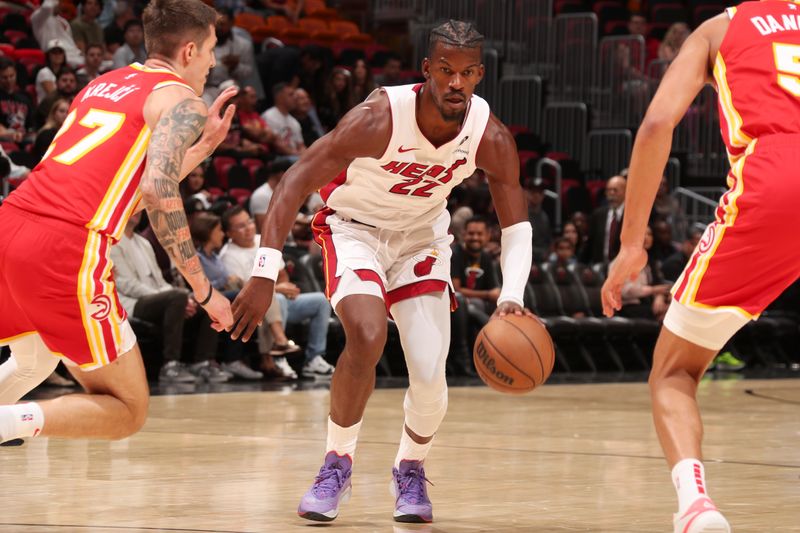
<point>328,482</point>
<point>412,485</point>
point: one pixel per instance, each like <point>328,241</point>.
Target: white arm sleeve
<point>516,256</point>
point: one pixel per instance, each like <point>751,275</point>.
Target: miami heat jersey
<point>757,71</point>
<point>90,174</point>
<point>408,186</point>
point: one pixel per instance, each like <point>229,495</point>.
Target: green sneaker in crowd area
<point>727,361</point>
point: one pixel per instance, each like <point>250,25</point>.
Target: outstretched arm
<point>497,156</point>
<point>685,78</point>
<point>181,118</point>
<point>363,132</point>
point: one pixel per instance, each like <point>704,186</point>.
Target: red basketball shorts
<point>749,254</point>
<point>56,281</point>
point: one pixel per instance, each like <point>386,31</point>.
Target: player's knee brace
<point>30,364</point>
<point>425,408</point>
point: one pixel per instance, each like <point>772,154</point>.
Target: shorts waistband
<point>52,223</point>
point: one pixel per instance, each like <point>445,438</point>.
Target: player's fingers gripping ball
<point>514,354</point>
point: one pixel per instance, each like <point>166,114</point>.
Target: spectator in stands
<point>290,10</point>
<point>238,255</point>
<point>194,187</point>
<point>306,115</point>
<point>9,169</point>
<point>132,51</point>
<point>475,281</point>
<point>647,296</point>
<point>254,127</point>
<point>392,72</point>
<point>48,25</point>
<point>603,241</point>
<point>54,60</point>
<point>16,108</point>
<point>237,142</point>
<point>667,207</point>
<point>93,67</point>
<point>637,25</point>
<point>234,55</point>
<point>114,33</point>
<point>85,29</point>
<point>286,127</point>
<point>458,222</point>
<point>564,252</point>
<point>363,84</point>
<point>313,73</point>
<point>145,295</point>
<point>472,269</point>
<point>66,87</point>
<point>297,307</point>
<point>673,265</point>
<point>206,229</point>
<point>663,245</point>
<point>570,232</point>
<point>259,200</point>
<point>55,118</point>
<point>542,231</point>
<point>336,101</point>
<point>673,40</point>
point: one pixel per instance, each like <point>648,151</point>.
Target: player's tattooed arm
<point>175,132</point>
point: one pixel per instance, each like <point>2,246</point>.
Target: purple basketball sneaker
<point>408,486</point>
<point>331,487</point>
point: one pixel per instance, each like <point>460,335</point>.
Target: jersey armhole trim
<point>731,11</point>
<point>391,128</point>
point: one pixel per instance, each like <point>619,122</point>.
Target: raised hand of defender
<point>250,306</point>
<point>219,309</point>
<point>217,125</point>
<point>627,265</point>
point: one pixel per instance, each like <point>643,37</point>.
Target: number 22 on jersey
<point>102,125</point>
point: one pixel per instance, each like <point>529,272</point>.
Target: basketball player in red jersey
<point>752,55</point>
<point>383,231</point>
<point>125,141</point>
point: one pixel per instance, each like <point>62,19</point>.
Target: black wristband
<point>208,298</point>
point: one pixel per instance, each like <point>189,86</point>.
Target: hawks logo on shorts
<point>101,307</point>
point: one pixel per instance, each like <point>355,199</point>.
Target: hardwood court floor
<point>565,458</point>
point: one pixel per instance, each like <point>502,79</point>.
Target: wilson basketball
<point>514,354</point>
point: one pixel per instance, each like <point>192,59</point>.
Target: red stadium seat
<point>253,166</point>
<point>222,165</point>
<point>8,50</point>
<point>241,195</point>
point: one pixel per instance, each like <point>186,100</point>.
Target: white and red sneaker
<point>701,517</point>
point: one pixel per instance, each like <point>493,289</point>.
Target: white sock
<point>20,420</point>
<point>689,478</point>
<point>410,450</point>
<point>342,440</point>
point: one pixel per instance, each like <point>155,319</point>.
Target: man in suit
<point>605,225</point>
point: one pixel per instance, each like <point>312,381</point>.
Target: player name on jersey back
<point>111,91</point>
<point>767,25</point>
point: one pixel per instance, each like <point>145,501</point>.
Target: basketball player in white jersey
<point>385,173</point>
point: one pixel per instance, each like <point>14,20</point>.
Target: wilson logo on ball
<point>488,362</point>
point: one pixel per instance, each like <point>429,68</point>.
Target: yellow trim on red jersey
<point>93,330</point>
<point>731,212</point>
<point>170,83</point>
<point>12,338</point>
<point>126,214</point>
<point>120,183</point>
<point>738,138</point>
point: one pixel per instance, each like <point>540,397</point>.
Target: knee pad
<point>425,411</point>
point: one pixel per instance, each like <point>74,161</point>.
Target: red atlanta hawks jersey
<point>408,186</point>
<point>757,72</point>
<point>90,174</point>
